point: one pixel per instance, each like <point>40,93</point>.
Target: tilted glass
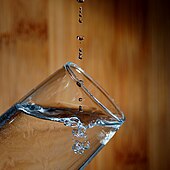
<point>61,124</point>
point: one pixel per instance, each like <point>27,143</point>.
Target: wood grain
<point>126,50</point>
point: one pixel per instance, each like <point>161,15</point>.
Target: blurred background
<point>126,50</point>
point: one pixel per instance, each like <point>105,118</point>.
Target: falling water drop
<point>80,99</point>
<point>80,37</point>
<point>78,84</point>
<point>80,1</point>
<point>80,20</point>
<point>80,9</point>
<point>81,50</point>
<point>80,109</point>
<point>80,15</point>
<point>80,56</point>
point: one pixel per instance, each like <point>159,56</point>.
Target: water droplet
<point>80,109</point>
<point>81,50</point>
<point>80,53</point>
<point>80,20</point>
<point>80,99</point>
<point>80,37</point>
<point>80,56</point>
<point>80,1</point>
<point>79,83</point>
<point>81,12</point>
<point>80,15</point>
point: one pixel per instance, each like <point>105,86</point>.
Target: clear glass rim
<point>68,67</point>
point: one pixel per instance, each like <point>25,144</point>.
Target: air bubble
<point>86,144</point>
<point>67,123</point>
<point>72,122</point>
<point>80,147</point>
<point>79,133</point>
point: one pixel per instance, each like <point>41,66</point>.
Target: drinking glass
<point>61,124</point>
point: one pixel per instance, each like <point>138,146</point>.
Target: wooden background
<point>126,50</point>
